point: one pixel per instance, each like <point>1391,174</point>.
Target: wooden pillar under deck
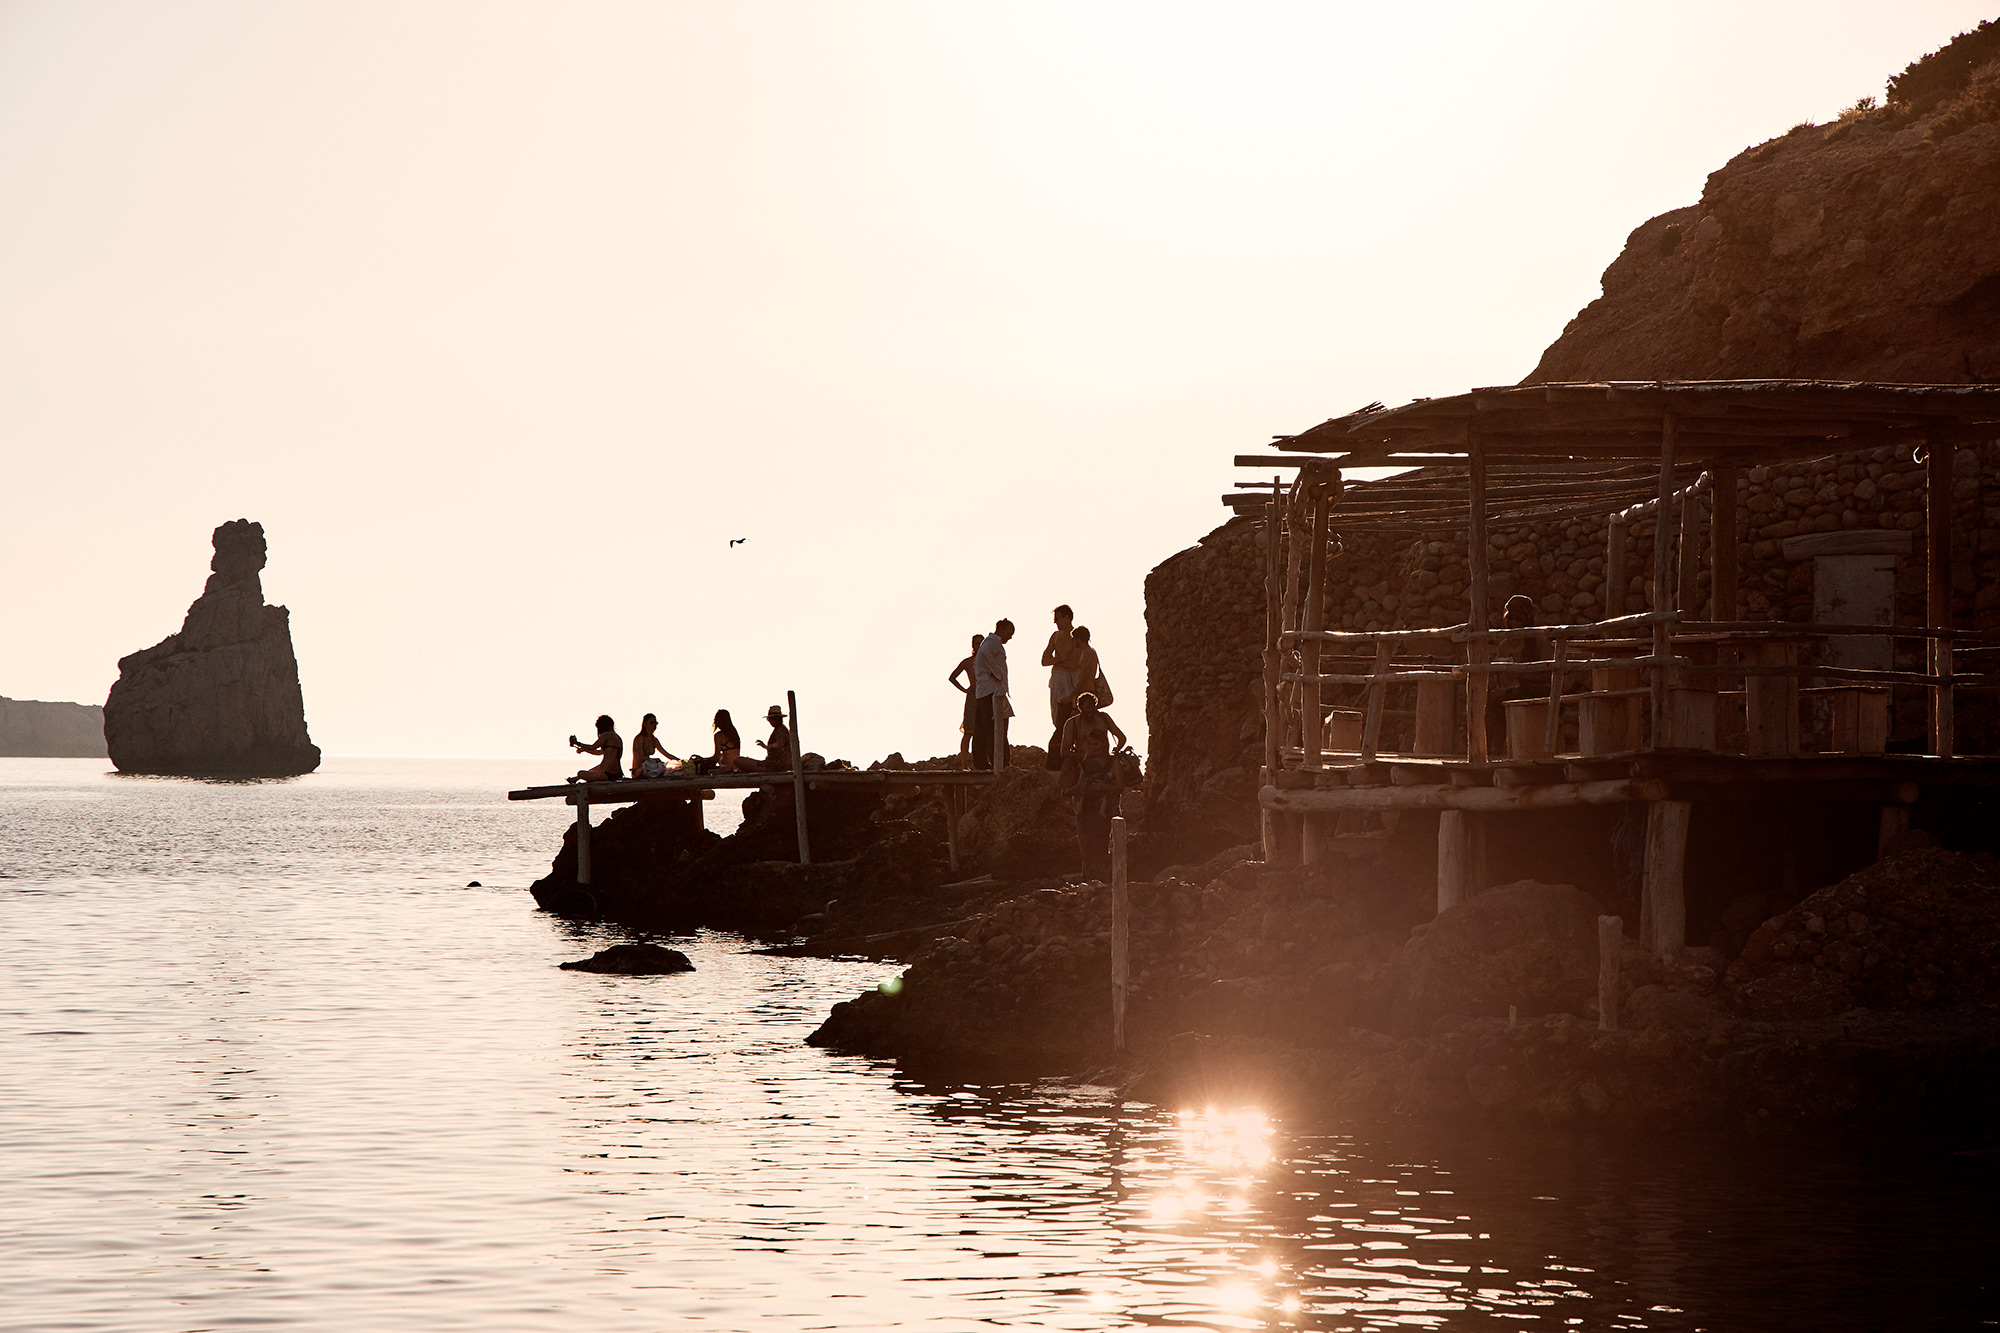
<point>1268,819</point>
<point>1612,593</point>
<point>1314,731</point>
<point>1459,858</point>
<point>798,780</point>
<point>1478,684</point>
<point>1937,586</point>
<point>1663,585</point>
<point>582,833</point>
<point>1663,900</point>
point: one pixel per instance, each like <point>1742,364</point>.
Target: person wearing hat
<point>777,751</point>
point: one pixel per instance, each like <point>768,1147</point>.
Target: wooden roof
<point>1738,420</point>
<point>1561,449</point>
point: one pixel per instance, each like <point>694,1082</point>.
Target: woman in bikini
<point>645,745</point>
<point>728,745</point>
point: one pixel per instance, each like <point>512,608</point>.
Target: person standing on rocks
<point>989,671</point>
<point>1086,742</point>
<point>965,668</point>
<point>610,745</point>
<point>1062,657</point>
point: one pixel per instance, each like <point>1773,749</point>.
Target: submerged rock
<point>633,960</point>
<point>221,697</point>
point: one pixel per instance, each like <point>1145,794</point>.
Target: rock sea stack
<point>220,698</point>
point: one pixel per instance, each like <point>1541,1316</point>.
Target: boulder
<point>633,960</point>
<point>1527,945</point>
<point>221,697</point>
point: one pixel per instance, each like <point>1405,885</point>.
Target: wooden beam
<point>1611,597</point>
<point>583,837</point>
<point>1610,942</point>
<point>1937,588</point>
<point>1688,586</point>
<point>1439,796</point>
<point>1663,586</point>
<point>1458,858</point>
<point>1268,821</point>
<point>1121,931</point>
<point>1477,619</point>
<point>1314,732</point>
<point>798,779</point>
<point>1663,901</point>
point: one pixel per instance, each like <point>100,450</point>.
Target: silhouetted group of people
<point>1079,746</point>
<point>650,758</point>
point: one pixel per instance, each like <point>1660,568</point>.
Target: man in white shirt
<point>989,674</point>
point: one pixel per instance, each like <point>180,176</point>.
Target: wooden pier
<point>1671,708</point>
<point>583,795</point>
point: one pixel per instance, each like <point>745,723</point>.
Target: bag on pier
<point>1102,689</point>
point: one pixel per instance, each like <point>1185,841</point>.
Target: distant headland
<point>39,729</point>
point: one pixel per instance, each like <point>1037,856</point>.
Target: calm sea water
<point>266,1061</point>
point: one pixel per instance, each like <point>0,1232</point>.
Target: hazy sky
<point>504,319</point>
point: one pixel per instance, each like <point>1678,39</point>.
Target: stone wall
<point>1204,685</point>
<point>1205,605</point>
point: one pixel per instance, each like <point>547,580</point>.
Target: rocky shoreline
<point>1872,1001</point>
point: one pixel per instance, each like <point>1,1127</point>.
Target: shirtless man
<point>1063,657</point>
<point>610,745</point>
<point>1086,739</point>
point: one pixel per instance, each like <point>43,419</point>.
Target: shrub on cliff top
<point>1979,103</point>
<point>1947,70</point>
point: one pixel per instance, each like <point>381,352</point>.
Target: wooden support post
<point>798,780</point>
<point>1478,685</point>
<point>582,833</point>
<point>1895,823</point>
<point>1663,584</point>
<point>1121,931</point>
<point>951,812</point>
<point>1371,727</point>
<point>1610,938</point>
<point>1722,576</point>
<point>1292,697</point>
<point>1688,585</point>
<point>1552,725</point>
<point>1937,585</point>
<point>1663,900</point>
<point>1268,820</point>
<point>1315,620</point>
<point>1458,857</point>
<point>1612,593</point>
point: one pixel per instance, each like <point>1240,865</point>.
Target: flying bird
<point>738,541</point>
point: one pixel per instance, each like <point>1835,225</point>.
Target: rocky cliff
<point>221,697</point>
<point>1864,249</point>
<point>31,727</point>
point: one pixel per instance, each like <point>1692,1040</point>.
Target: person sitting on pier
<point>989,670</point>
<point>610,745</point>
<point>777,751</point>
<point>728,745</point>
<point>649,757</point>
<point>965,669</point>
<point>1086,743</point>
